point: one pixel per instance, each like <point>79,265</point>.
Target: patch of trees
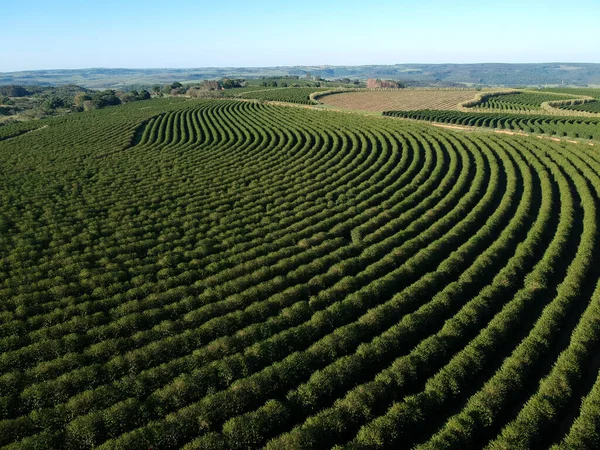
<point>210,85</point>
<point>174,88</point>
<point>231,83</point>
<point>37,101</point>
<point>210,88</point>
<point>84,101</point>
<point>133,96</point>
<point>53,102</point>
<point>198,90</point>
<point>375,83</point>
<point>14,91</point>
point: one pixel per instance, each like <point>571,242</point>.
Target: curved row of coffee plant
<point>15,129</point>
<point>290,95</point>
<point>582,92</point>
<point>516,101</point>
<point>230,275</point>
<point>591,106</point>
<point>575,127</point>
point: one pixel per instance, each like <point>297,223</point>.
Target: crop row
<point>576,127</point>
<point>230,274</point>
<point>592,106</point>
<point>520,101</point>
<point>292,95</point>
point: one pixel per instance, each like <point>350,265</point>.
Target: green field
<point>593,107</point>
<point>291,95</point>
<point>532,101</point>
<point>574,127</point>
<point>518,102</point>
<point>224,274</point>
<point>588,92</point>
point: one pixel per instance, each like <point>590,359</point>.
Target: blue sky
<point>68,34</point>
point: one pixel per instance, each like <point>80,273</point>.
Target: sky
<point>69,34</point>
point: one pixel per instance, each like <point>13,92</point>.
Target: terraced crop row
<point>15,129</point>
<point>521,101</point>
<point>587,92</point>
<point>291,95</point>
<point>593,107</point>
<point>231,275</point>
<point>575,127</point>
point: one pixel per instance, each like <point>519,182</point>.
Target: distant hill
<point>492,74</point>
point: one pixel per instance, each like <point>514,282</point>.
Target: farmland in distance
<point>401,99</point>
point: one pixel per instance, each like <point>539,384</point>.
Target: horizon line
<point>298,66</point>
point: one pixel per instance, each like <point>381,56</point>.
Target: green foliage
<point>14,91</point>
<point>105,98</point>
<point>588,92</point>
<point>225,274</point>
<point>521,101</point>
<point>593,107</point>
<point>53,103</point>
<point>229,83</point>
<point>40,101</point>
<point>574,127</point>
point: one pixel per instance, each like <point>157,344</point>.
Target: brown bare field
<point>405,99</point>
